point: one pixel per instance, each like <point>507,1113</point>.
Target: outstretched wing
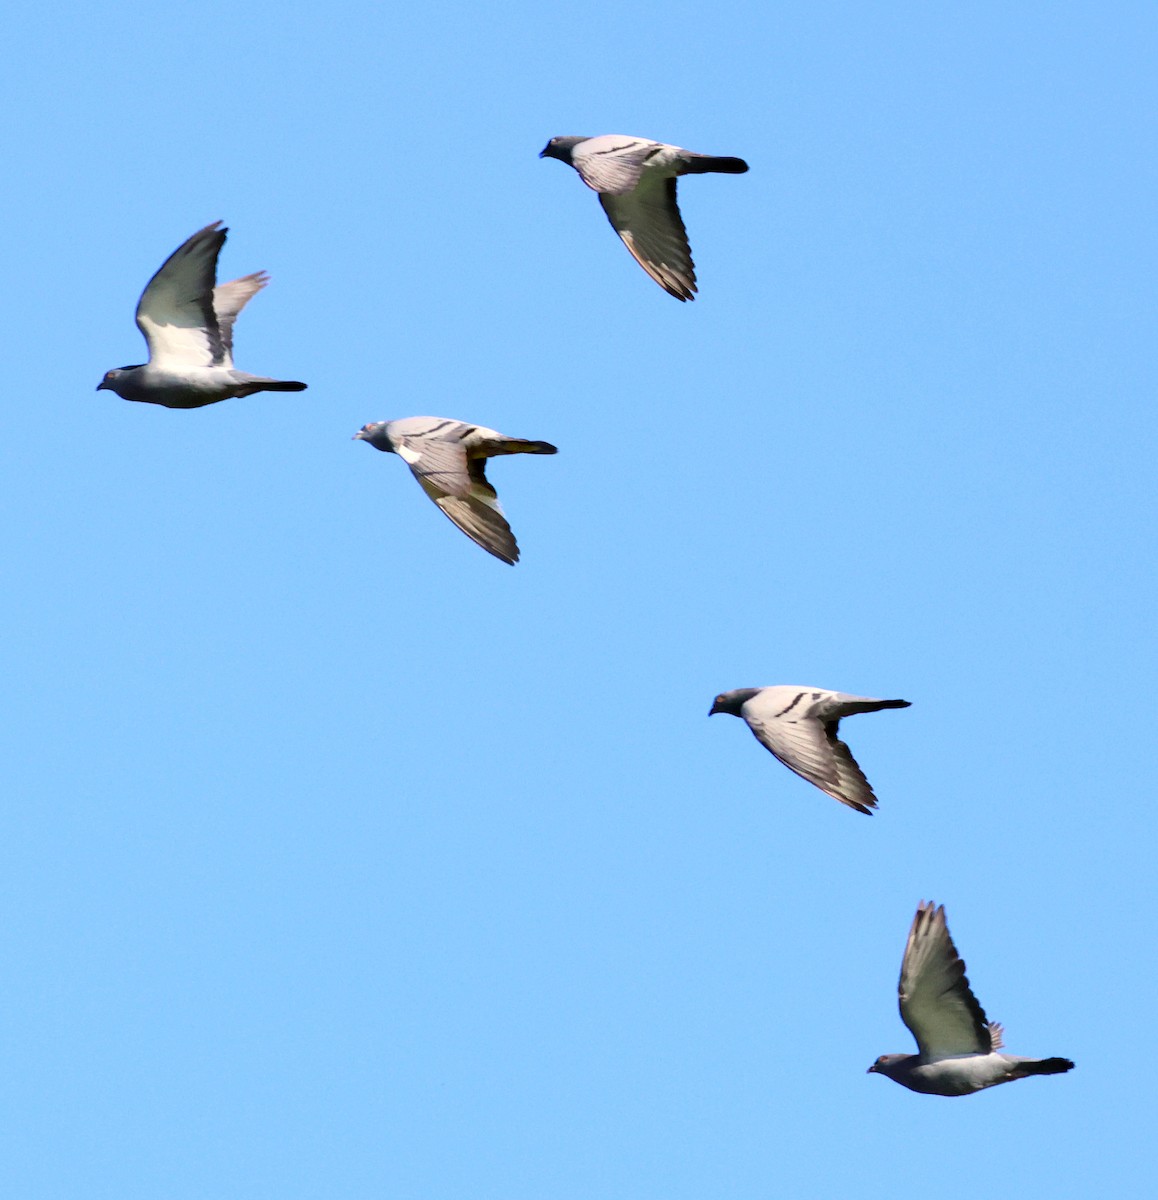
<point>649,222</point>
<point>175,312</point>
<point>228,300</point>
<point>808,745</point>
<point>936,1001</point>
<point>459,487</point>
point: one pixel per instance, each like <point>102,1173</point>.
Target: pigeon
<point>188,325</point>
<point>636,182</point>
<point>449,459</point>
<point>799,724</point>
<point>958,1046</point>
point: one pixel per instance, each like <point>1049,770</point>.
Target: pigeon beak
<point>100,387</point>
<point>871,1070</point>
<point>357,437</point>
<point>713,710</point>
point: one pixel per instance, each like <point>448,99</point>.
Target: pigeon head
<point>889,1064</point>
<point>109,383</point>
<point>731,702</point>
<point>560,148</point>
<point>376,435</point>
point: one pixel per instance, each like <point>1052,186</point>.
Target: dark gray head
<point>893,1065</point>
<point>109,383</point>
<point>376,435</point>
<point>561,147</point>
<point>730,702</point>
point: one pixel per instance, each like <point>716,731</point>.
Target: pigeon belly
<point>960,1076</point>
<point>193,387</point>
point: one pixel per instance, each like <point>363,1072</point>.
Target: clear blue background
<point>341,860</point>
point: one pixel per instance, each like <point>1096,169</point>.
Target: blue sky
<point>340,859</point>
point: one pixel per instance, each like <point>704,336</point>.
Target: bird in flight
<point>798,725</point>
<point>448,458</point>
<point>959,1048</point>
<point>188,322</point>
<point>636,182</point>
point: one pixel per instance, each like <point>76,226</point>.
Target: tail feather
<point>1044,1066</point>
<point>867,705</point>
<point>704,164</point>
<point>517,446</point>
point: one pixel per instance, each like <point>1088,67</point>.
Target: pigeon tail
<point>705,164</point>
<point>515,446</point>
<point>852,707</point>
<point>1045,1066</point>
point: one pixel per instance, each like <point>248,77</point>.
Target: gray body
<point>448,458</point>
<point>959,1050</point>
<point>187,321</point>
<point>799,724</point>
<point>636,182</point>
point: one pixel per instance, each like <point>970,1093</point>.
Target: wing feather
<point>459,487</point>
<point>649,222</point>
<point>936,1001</point>
<point>228,300</point>
<point>175,312</point>
<point>809,746</point>
<point>613,164</point>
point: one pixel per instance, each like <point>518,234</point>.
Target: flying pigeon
<point>799,724</point>
<point>636,182</point>
<point>958,1046</point>
<point>449,459</point>
<point>188,324</point>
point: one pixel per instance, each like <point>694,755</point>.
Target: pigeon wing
<point>809,746</point>
<point>649,222</point>
<point>459,487</point>
<point>936,1001</point>
<point>175,312</point>
<point>613,164</point>
<point>228,300</point>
